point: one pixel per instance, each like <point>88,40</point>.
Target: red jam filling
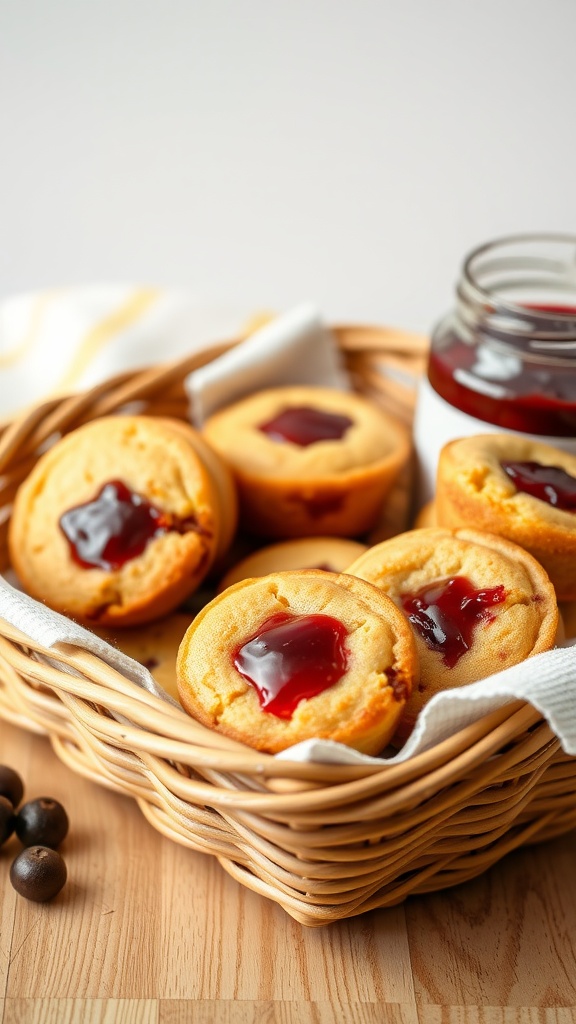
<point>446,614</point>
<point>303,425</point>
<point>548,483</point>
<point>293,658</point>
<point>114,527</point>
<point>533,401</point>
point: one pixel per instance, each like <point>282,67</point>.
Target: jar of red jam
<point>504,360</point>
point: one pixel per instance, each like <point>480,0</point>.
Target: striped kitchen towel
<point>63,340</point>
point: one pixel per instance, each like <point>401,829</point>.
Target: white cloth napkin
<point>294,349</point>
<point>47,628</point>
<point>276,354</point>
<point>547,681</point>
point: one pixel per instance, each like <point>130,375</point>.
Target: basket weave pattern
<point>326,842</point>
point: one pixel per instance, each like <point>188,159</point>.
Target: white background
<point>265,153</point>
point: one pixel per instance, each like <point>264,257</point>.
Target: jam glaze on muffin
<point>477,604</point>
<point>309,461</point>
<point>118,521</point>
<point>518,488</point>
<point>298,655</point>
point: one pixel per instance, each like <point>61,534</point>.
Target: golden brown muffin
<point>334,554</point>
<point>119,521</point>
<point>477,603</point>
<point>299,655</point>
<point>309,461</point>
<point>473,487</point>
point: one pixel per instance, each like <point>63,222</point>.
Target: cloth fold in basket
<point>47,628</point>
<point>294,349</point>
<point>297,348</point>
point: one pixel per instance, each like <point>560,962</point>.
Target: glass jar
<point>505,358</point>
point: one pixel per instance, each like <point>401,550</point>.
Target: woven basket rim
<point>325,841</point>
<point>127,386</point>
<point>133,383</point>
<point>236,756</point>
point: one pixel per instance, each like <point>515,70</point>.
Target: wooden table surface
<point>148,932</point>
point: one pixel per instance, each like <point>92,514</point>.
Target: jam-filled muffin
<point>477,604</point>
<point>120,520</point>
<point>333,554</point>
<point>518,488</point>
<point>309,460</point>
<point>297,655</point>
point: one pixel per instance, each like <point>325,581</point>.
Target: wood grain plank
<point>285,1012</point>
<point>506,939</point>
<point>231,944</point>
<point>15,751</point>
<point>144,919</point>
<point>88,942</point>
<point>497,1015</point>
<point>81,1011</point>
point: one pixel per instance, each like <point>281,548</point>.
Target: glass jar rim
<point>541,263</point>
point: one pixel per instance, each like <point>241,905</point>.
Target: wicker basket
<point>326,842</point>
